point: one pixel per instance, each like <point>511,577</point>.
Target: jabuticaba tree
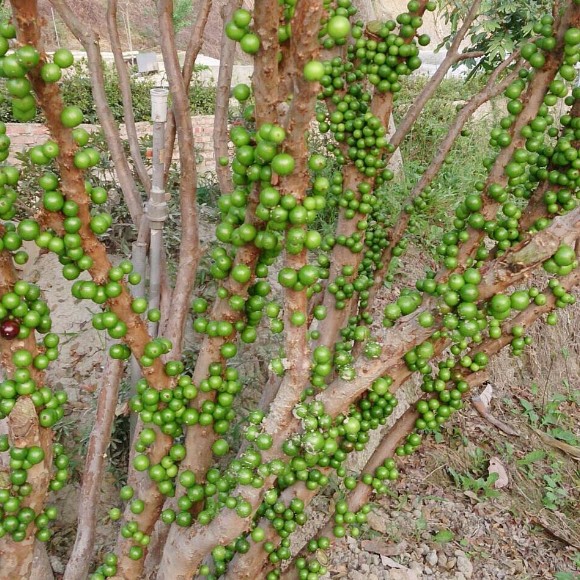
<point>198,502</point>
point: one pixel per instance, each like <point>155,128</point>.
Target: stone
<point>56,565</point>
<point>464,566</point>
<point>442,560</point>
<point>403,574</point>
<point>377,522</point>
<point>431,558</point>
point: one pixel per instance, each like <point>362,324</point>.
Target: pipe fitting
<point>159,97</point>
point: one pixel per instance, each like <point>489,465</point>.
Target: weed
<point>482,488</point>
<point>556,496</point>
<point>444,536</point>
<point>553,416</point>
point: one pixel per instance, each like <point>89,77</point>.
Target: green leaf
<point>564,435</point>
<point>444,536</point>
<point>532,457</point>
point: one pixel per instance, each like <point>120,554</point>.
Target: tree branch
<point>266,21</point>
<point>193,47</point>
<point>199,456</point>
<point>90,43</point>
<point>189,252</point>
<point>23,426</point>
<point>125,88</point>
<point>532,99</point>
<point>196,543</point>
<point>82,552</point>
<point>490,91</point>
<point>220,127</point>
<point>72,185</point>
<point>467,55</point>
<point>405,424</point>
<point>451,58</point>
<point>407,333</point>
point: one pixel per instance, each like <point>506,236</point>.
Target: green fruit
<point>313,71</point>
<point>283,164</point>
<point>234,32</point>
<point>520,300</point>
<point>564,256</point>
<point>28,56</point>
<point>63,58</point>
<point>220,447</point>
<point>242,93</point>
<point>500,303</point>
<point>250,43</point>
<point>241,273</point>
<point>50,72</point>
<point>71,116</point>
<point>339,27</point>
<point>242,18</point>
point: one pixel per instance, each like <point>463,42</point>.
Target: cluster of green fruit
<point>282,222</point>
<point>325,443</point>
<point>238,29</point>
<point>15,515</point>
<point>15,65</point>
<point>463,320</point>
<point>171,410</point>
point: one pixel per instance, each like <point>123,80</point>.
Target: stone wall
<point>26,135</point>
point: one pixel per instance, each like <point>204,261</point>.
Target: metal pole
<point>156,207</point>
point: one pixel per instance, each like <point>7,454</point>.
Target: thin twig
<point>193,47</point>
<point>125,88</point>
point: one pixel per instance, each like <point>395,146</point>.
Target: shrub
<point>76,90</point>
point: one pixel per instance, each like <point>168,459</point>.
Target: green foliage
<point>444,536</point>
<point>457,174</point>
<point>76,90</point>
<point>182,15</point>
<point>501,26</point>
<point>556,496</point>
<point>202,94</point>
<point>553,415</point>
<point>482,487</point>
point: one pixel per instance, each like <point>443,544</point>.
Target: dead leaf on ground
<point>481,404</point>
<point>496,466</point>
<point>386,561</point>
<point>383,549</point>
